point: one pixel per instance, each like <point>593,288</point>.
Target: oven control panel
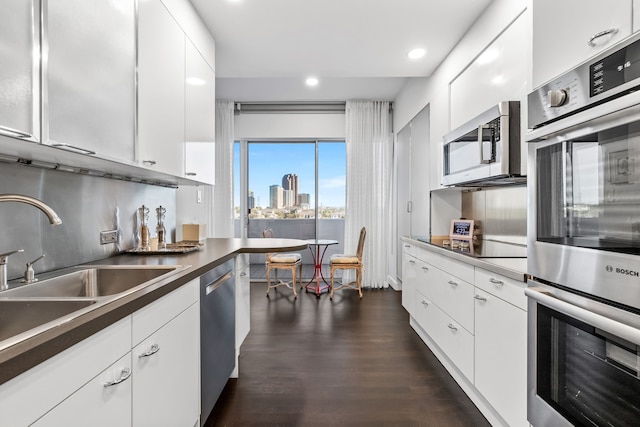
<point>611,74</point>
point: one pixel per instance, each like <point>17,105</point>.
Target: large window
<point>296,188</point>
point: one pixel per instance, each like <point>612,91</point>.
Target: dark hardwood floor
<point>317,362</point>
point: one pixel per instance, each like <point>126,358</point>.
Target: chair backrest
<point>267,232</point>
<point>363,233</point>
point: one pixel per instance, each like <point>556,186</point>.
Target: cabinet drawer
<point>449,293</point>
<point>503,287</point>
<point>27,397</point>
<point>456,342</point>
<point>459,269</point>
<point>108,406</point>
<point>152,317</point>
<point>408,248</point>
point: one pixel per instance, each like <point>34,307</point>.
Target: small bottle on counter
<point>143,215</point>
<point>160,230</point>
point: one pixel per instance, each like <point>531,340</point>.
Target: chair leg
<point>300,276</point>
<point>331,286</point>
<point>268,281</point>
<point>293,282</point>
<point>359,281</point>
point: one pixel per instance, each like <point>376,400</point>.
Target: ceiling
<point>265,49</point>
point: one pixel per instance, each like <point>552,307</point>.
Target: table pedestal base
<point>318,283</point>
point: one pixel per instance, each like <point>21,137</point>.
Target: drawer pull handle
<point>496,281</point>
<point>407,246</point>
<point>452,327</point>
<point>425,268</point>
<point>149,162</point>
<point>124,375</point>
<point>479,298</point>
<point>424,303</point>
<point>452,283</point>
<point>153,350</point>
<point>412,262</point>
<point>611,31</point>
<point>243,274</point>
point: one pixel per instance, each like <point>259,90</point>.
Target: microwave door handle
<point>486,147</point>
<point>599,321</point>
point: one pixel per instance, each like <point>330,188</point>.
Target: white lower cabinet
<point>501,356</point>
<point>166,374</point>
<point>454,340</point>
<point>106,399</point>
<point>29,396</point>
<point>478,321</point>
<point>144,370</point>
<point>409,272</point>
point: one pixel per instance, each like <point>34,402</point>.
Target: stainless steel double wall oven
<point>584,244</point>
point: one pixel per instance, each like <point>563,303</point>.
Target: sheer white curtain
<point>369,146</point>
<point>222,213</point>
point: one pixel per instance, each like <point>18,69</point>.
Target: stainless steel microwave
<point>486,149</point>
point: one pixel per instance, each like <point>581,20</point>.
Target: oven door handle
<point>594,319</point>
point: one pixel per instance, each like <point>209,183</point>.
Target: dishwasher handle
<point>216,284</point>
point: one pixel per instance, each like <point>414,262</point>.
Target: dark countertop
<point>513,268</point>
<point>30,352</point>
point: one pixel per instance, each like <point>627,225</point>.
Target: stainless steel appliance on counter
<point>584,244</point>
<point>486,149</point>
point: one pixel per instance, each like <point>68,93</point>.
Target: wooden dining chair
<point>285,261</point>
<point>349,262</point>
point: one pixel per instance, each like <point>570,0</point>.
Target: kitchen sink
<point>91,282</point>
<point>22,315</point>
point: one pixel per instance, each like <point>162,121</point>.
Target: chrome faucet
<point>54,219</point>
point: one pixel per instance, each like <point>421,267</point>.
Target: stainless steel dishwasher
<point>217,333</point>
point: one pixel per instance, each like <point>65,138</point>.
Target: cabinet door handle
<point>124,375</point>
<point>13,132</point>
<point>407,246</point>
<point>452,283</point>
<point>611,31</point>
<point>149,162</point>
<point>411,261</point>
<point>243,274</point>
<point>153,350</point>
<point>496,281</point>
<point>452,327</point>
<point>190,174</point>
<point>423,302</point>
<point>73,148</point>
<point>479,298</point>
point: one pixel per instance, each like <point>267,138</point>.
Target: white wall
<point>289,126</point>
<point>434,90</point>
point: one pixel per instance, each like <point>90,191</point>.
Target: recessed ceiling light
<point>416,53</point>
<point>312,81</point>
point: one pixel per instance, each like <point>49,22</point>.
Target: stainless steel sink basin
<point>91,282</point>
<point>22,315</point>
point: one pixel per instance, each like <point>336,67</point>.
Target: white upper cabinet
<point>568,32</point>
<point>200,116</point>
<point>89,62</point>
<point>161,89</point>
<point>19,70</point>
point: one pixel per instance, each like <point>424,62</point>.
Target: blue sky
<point>269,162</point>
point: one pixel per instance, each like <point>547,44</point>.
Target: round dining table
<point>318,247</point>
